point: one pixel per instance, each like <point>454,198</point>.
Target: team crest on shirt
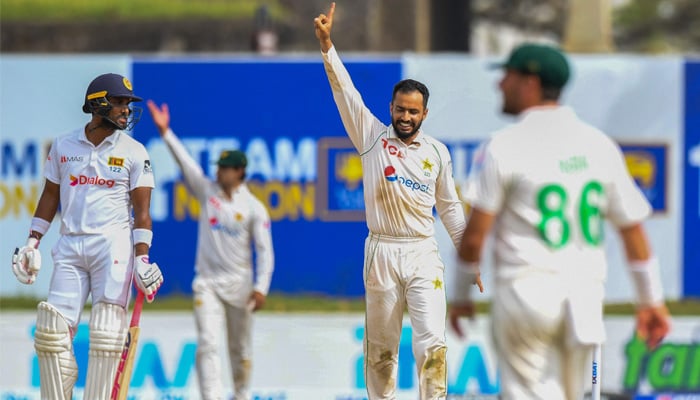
<point>115,162</point>
<point>238,217</point>
<point>437,284</point>
<point>427,167</point>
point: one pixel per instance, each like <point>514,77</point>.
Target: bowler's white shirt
<point>402,183</point>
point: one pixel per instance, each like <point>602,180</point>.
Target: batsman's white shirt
<point>402,183</point>
<point>95,182</point>
<point>226,229</point>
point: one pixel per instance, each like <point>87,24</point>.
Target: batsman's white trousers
<point>97,265</point>
<point>404,274</point>
<point>100,266</point>
<point>212,313</point>
<point>539,355</point>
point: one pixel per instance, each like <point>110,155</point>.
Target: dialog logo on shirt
<point>91,180</point>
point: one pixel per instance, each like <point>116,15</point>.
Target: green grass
<point>129,10</point>
<point>323,304</point>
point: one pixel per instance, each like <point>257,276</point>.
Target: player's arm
<point>653,320</point>
<point>627,208</point>
<point>26,260</point>
<point>468,267</point>
<point>265,258</point>
<point>191,170</point>
<point>141,200</point>
<point>357,119</point>
<point>485,193</point>
<point>148,276</point>
<point>447,202</point>
<point>47,206</point>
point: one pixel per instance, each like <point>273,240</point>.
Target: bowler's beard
<point>404,136</point>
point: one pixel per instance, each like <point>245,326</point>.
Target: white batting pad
<point>58,370</point>
<point>107,334</point>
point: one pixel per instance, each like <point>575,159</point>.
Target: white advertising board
<point>319,356</point>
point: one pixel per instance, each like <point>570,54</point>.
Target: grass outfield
<point>129,10</point>
<point>279,303</point>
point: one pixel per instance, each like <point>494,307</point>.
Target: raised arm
<point>360,124</point>
<point>191,170</point>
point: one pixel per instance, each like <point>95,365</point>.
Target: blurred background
<point>471,26</point>
<point>248,74</point>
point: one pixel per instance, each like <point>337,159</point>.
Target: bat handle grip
<point>138,305</point>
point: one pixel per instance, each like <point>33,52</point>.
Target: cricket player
<point>545,185</point>
<point>102,179</point>
<point>406,173</point>
<point>231,221</point>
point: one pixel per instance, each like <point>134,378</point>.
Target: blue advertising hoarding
<point>283,115</point>
<point>691,163</point>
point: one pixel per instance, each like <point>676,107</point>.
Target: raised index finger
<point>331,12</point>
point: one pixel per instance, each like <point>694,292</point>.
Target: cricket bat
<point>120,388</point>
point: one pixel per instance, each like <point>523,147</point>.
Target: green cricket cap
<point>232,158</point>
<point>547,62</point>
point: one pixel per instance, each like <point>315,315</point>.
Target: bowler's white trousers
<point>404,274</point>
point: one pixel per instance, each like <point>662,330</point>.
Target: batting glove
<point>148,277</point>
<point>26,261</point>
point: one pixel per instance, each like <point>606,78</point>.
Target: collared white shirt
<point>402,183</point>
<point>553,179</point>
<point>96,182</point>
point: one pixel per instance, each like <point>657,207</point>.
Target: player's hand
<point>26,261</point>
<point>322,25</point>
<point>460,310</point>
<point>147,276</point>
<point>477,282</point>
<point>256,301</point>
<point>464,307</point>
<point>653,324</point>
<point>160,115</point>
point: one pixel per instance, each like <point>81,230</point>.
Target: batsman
<point>102,180</point>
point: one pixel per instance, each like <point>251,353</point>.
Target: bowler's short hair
<point>410,85</point>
